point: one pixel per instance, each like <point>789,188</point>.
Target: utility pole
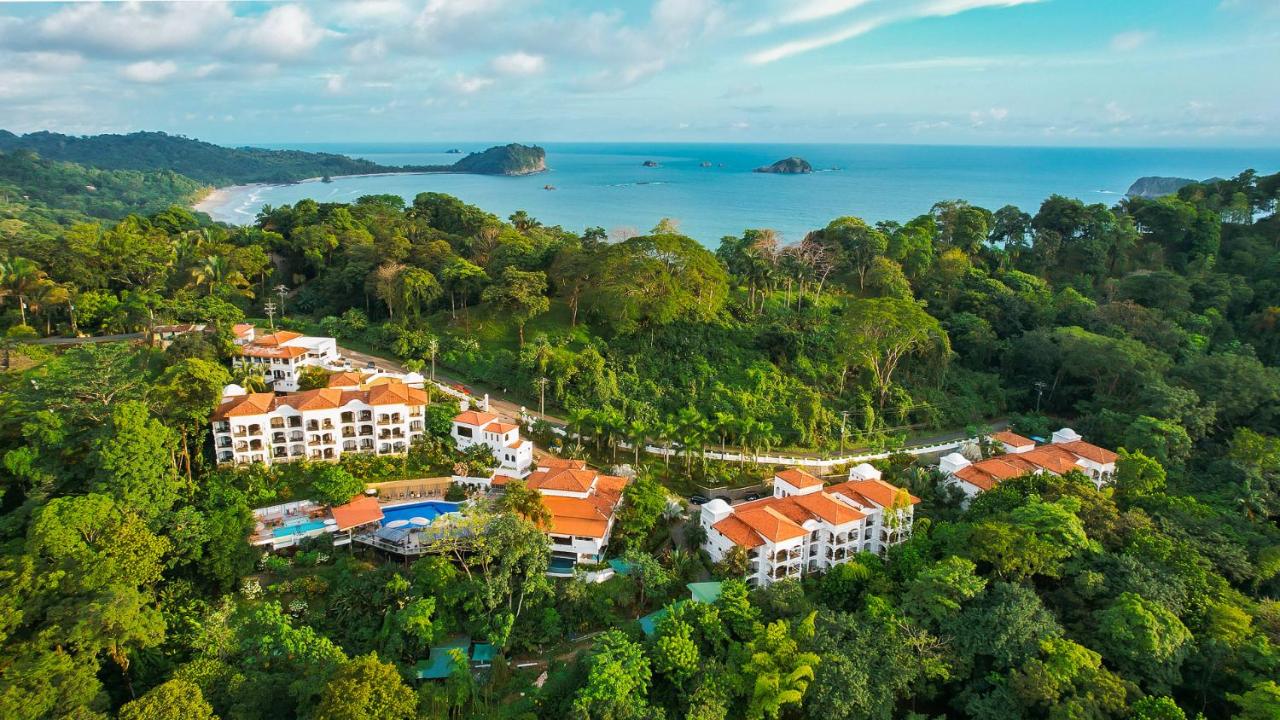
<point>282,290</point>
<point>844,419</point>
<point>1039,393</point>
<point>542,395</point>
<point>72,307</point>
<point>270,309</point>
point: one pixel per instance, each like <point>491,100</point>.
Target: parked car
<point>699,500</point>
<point>751,496</point>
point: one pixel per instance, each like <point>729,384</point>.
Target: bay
<point>711,191</point>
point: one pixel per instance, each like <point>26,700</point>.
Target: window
<point>463,431</point>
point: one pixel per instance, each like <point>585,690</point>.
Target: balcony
<point>255,429</point>
<point>415,425</point>
<point>366,430</point>
<point>295,421</point>
<point>296,436</point>
<point>222,426</point>
<point>366,415</point>
<point>415,412</point>
<point>348,432</point>
<point>241,431</point>
<point>224,442</point>
<point>278,437</point>
<point>277,423</point>
<point>313,425</point>
<point>348,417</point>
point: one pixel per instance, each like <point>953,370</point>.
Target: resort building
<point>807,526</point>
<point>317,424</point>
<point>280,356</point>
<point>582,503</point>
<point>1021,456</point>
<point>512,455</point>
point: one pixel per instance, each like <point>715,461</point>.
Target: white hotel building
<point>280,356</point>
<point>512,455</point>
<point>383,419</point>
<point>1067,452</point>
<point>806,527</point>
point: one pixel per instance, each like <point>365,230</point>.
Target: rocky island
<point>650,163</point>
<point>513,159</point>
<point>788,166</point>
<point>1154,187</point>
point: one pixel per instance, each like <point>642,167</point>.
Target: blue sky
<point>1010,72</point>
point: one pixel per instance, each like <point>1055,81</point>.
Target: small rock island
<point>513,159</point>
<point>650,163</point>
<point>788,166</point>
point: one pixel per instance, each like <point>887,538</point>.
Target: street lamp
<point>844,430</point>
<point>282,290</point>
<point>1039,393</point>
<point>542,396</point>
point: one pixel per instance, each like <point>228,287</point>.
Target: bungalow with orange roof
<point>807,526</point>
<point>1066,453</point>
<point>322,424</point>
<point>583,504</point>
<point>513,456</point>
<point>281,355</point>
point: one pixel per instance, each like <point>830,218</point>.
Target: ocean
<point>711,191</point>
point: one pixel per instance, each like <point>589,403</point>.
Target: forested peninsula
<point>1151,326</point>
<point>216,165</point>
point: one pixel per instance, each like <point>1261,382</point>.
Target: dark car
<point>699,500</point>
<point>751,496</point>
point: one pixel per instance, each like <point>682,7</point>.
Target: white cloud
<point>1116,114</point>
<point>286,31</point>
<point>469,84</point>
<point>1132,40</point>
<point>519,64</point>
<point>133,28</point>
<point>334,83</point>
<point>149,71</point>
<point>902,12</point>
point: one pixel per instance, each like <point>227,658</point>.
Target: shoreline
<point>216,198</point>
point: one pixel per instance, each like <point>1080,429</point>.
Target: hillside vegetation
<point>1152,327</point>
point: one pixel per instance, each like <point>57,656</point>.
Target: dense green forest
<point>1150,326</point>
<point>210,164</point>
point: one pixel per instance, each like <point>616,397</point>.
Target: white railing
<point>824,463</point>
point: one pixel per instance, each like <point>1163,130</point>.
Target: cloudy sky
<point>1043,72</point>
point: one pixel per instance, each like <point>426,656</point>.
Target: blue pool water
<point>429,509</point>
<point>298,529</point>
<point>711,190</point>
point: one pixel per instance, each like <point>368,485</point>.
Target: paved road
<point>496,404</point>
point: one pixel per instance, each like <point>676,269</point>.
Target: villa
<point>514,456</point>
<point>808,526</point>
<point>383,419</point>
<point>281,355</point>
<point>1021,456</point>
<point>583,505</point>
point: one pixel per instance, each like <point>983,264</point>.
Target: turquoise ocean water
<point>711,191</point>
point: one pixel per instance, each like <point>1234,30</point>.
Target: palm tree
<point>578,418</point>
<point>637,432</point>
<point>433,347</point>
<point>216,271</point>
<point>666,432</point>
<point>18,278</point>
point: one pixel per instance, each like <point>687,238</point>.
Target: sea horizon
<point>710,189</point>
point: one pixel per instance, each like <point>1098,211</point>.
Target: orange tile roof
<point>739,532</point>
<point>501,427</point>
<point>789,509</point>
<point>551,462</point>
<point>565,480</point>
<point>321,399</point>
<point>771,524</point>
<point>575,516</point>
<point>396,393</point>
<point>277,338</point>
<point>272,351</point>
<point>501,480</point>
<point>244,405</point>
<point>1088,451</point>
<point>241,329</point>
<point>360,511</point>
<point>824,507</point>
<point>877,491</point>
<point>345,379</point>
<point>977,477</point>
<point>1052,458</point>
<point>475,418</point>
<point>1011,439</point>
<point>798,478</point>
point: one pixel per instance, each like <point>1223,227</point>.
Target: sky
<point>990,72</point>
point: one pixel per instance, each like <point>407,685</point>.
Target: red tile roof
<point>244,405</point>
<point>877,491</point>
<point>1052,458</point>
<point>575,516</point>
<point>361,511</point>
<point>551,462</point>
<point>277,338</point>
<point>1088,451</point>
<point>345,379</point>
<point>321,399</point>
<point>739,532</point>
<point>272,351</point>
<point>501,427</point>
<point>771,524</point>
<point>475,418</point>
<point>1011,439</point>
<point>824,507</point>
<point>798,478</point>
<point>564,480</point>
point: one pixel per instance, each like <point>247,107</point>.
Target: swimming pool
<point>430,509</point>
<point>299,529</point>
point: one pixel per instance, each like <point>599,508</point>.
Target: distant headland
<point>220,166</point>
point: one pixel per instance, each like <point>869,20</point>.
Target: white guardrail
<point>824,463</point>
